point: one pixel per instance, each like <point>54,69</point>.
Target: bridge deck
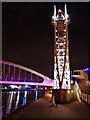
<point>41,109</point>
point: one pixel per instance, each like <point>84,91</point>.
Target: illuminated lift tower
<point>61,55</point>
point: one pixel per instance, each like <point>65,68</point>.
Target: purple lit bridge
<point>11,73</point>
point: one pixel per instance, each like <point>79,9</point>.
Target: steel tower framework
<point>61,50</point>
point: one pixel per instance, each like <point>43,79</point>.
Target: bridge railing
<point>85,97</point>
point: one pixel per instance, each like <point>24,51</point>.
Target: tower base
<point>62,95</point>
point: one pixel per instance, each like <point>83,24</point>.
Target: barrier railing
<point>85,98</point>
<point>7,112</point>
<point>11,109</point>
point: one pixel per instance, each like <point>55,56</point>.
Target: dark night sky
<point>27,35</point>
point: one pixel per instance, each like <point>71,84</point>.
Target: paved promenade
<point>41,109</point>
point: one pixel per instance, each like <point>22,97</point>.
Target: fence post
<point>12,107</point>
<point>19,105</point>
<point>5,109</point>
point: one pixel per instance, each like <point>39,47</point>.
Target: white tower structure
<point>61,53</point>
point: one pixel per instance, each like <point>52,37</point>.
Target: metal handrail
<point>12,108</point>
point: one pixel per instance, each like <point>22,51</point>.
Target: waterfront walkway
<point>41,109</point>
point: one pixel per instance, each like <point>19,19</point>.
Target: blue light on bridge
<point>26,86</point>
<point>87,70</point>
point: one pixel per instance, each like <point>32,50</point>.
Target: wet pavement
<point>41,109</point>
